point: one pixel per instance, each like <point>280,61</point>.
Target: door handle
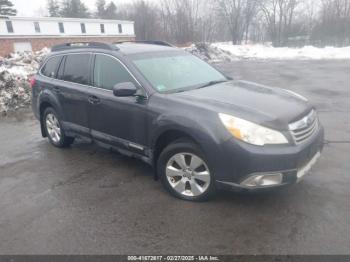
<point>94,100</point>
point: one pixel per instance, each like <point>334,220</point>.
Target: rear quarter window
<point>77,69</point>
<point>50,67</point>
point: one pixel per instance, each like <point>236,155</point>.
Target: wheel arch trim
<point>47,100</point>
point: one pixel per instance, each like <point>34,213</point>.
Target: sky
<point>38,7</point>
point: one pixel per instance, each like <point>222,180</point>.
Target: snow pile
<point>284,53</point>
<point>228,52</point>
<point>15,73</point>
<point>210,53</point>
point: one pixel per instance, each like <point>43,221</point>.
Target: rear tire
<point>54,129</point>
<point>184,171</point>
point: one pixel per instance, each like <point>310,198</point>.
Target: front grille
<point>303,129</point>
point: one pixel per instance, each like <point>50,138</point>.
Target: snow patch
<point>228,52</point>
<point>210,53</point>
<point>15,72</point>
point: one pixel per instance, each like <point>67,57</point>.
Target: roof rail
<point>150,42</point>
<point>78,45</point>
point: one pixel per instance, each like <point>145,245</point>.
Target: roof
<point>127,48</point>
<point>137,48</point>
<point>63,19</point>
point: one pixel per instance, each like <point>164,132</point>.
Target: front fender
<point>182,124</point>
<point>203,133</point>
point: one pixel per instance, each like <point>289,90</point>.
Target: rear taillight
<point>32,82</point>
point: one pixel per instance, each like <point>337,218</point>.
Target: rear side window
<point>50,67</point>
<point>77,69</point>
<point>109,72</point>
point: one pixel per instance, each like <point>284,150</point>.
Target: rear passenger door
<point>120,121</point>
<point>72,87</point>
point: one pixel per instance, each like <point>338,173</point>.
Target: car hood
<point>268,106</point>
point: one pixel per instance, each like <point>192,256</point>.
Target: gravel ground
<point>85,200</point>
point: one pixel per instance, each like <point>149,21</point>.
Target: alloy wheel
<point>53,128</point>
<point>188,174</point>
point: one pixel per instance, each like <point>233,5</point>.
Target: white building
<point>29,33</point>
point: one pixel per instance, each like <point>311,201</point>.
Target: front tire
<point>184,171</point>
<point>54,129</point>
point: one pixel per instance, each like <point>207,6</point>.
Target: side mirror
<point>124,89</point>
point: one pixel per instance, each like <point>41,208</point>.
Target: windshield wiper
<point>211,83</point>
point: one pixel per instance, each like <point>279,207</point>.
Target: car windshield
<point>178,72</point>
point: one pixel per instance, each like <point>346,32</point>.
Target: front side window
<point>37,27</point>
<point>102,26</point>
<point>120,29</point>
<point>77,69</point>
<point>178,71</point>
<point>61,27</point>
<point>9,26</point>
<point>83,28</point>
<point>108,72</point>
<point>50,68</point>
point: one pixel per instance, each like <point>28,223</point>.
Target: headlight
<point>251,133</point>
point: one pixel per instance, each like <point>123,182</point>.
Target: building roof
<point>63,19</point>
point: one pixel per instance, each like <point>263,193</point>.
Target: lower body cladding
<point>250,168</point>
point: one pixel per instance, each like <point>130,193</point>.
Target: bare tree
<point>181,19</point>
<point>146,16</point>
<point>232,12</point>
<point>333,27</point>
<point>238,15</point>
<point>147,20</point>
<point>208,24</point>
<point>250,13</point>
<point>279,16</point>
<point>284,22</point>
<point>310,15</point>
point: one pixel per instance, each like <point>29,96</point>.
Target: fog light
<point>263,180</point>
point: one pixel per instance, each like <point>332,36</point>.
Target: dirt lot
<point>85,200</point>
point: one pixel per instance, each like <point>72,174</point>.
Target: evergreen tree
<point>53,8</point>
<point>6,8</point>
<point>111,11</point>
<point>74,8</point>
<point>101,8</point>
<point>105,11</point>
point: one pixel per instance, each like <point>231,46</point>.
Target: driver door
<point>118,121</point>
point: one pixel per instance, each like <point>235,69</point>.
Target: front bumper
<point>242,161</point>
